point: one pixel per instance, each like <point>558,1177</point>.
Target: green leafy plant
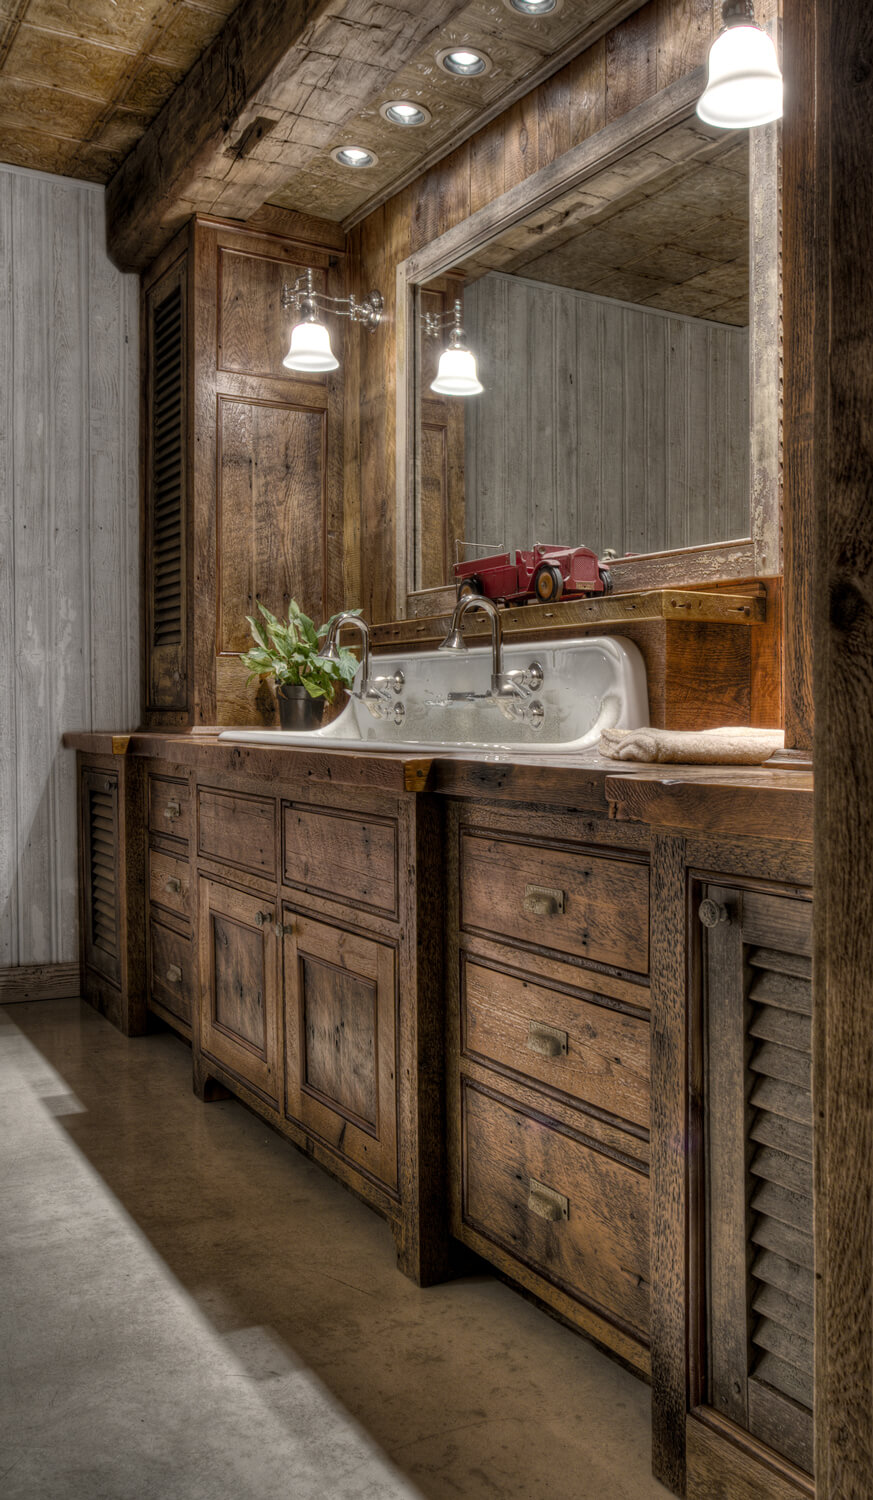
<point>290,652</point>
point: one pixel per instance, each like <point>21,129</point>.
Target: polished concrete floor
<point>190,1309</point>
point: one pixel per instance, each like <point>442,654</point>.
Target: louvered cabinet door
<point>166,492</point>
<point>758,1120</point>
<point>101,910</point>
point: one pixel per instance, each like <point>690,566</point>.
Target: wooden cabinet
<point>340,1003</point>
<point>112,838</point>
<point>243,467</point>
<point>758,1122</point>
<point>239,978</point>
<point>549,1080</point>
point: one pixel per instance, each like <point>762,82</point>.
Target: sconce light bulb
<point>310,349</point>
<point>744,83</point>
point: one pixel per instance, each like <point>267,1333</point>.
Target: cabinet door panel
<point>239,984</point>
<point>340,1033</point>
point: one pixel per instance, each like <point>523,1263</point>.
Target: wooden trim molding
<point>40,982</point>
<point>758,554</point>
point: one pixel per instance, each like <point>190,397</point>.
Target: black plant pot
<point>297,711</point>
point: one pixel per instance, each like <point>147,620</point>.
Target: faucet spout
<point>503,684</point>
<point>331,652</point>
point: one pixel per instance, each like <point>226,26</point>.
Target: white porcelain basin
<point>587,686</point>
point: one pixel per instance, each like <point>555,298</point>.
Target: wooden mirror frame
<point>759,554</point>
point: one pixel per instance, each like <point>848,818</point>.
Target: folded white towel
<point>731,746</point>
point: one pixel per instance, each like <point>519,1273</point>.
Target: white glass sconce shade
<point>310,348</point>
<point>744,86</point>
<point>457,374</point>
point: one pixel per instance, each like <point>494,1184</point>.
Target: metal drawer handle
<point>173,885</point>
<point>633,1277</point>
<point>174,974</point>
<point>262,918</point>
<point>546,1202</point>
<point>712,913</point>
<point>172,811</point>
<point>547,1041</point>
<point>284,930</point>
<point>543,900</point>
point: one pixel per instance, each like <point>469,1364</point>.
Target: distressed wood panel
<point>271,498</point>
<point>69,537</point>
<point>602,422</point>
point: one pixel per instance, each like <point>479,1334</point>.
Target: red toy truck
<point>545,573</point>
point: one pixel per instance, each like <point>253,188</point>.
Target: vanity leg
<point>207,1088</point>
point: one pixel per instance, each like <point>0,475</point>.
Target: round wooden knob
<point>712,913</point>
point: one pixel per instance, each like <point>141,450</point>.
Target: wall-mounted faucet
<point>370,692</point>
<point>505,686</point>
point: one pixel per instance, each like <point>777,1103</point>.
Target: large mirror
<point>625,334</point>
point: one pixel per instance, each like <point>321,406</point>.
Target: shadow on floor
<point>461,1390</point>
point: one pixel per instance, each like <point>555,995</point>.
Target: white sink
<point>588,685</point>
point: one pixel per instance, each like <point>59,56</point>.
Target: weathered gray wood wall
<point>69,528</point>
<point>602,423</point>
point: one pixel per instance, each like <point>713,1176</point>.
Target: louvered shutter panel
<point>102,907</point>
<point>758,1016</point>
<point>166,491</point>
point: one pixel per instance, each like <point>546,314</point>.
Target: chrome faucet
<point>375,698</point>
<point>504,685</point>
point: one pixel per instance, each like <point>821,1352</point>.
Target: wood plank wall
<point>656,45</point>
<point>603,423</point>
<point>69,537</point>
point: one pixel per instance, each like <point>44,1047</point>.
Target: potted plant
<point>289,652</point>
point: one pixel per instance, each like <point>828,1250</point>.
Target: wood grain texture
<point>237,829</point>
<point>723,1467</point>
<point>671,1149</point>
<point>239,1011</point>
<point>40,982</point>
<point>843,681</point>
<point>339,853</point>
<point>68,538</point>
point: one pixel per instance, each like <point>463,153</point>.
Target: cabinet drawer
<point>237,829</point>
<point>169,882</point>
<point>585,905</point>
<point>586,1051</point>
<point>169,807</point>
<point>571,1213</point>
<point>341,854</point>
<point>172,970</point>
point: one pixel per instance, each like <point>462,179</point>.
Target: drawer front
<point>576,1216</point>
<point>169,806</point>
<point>585,905</point>
<point>587,1051</point>
<point>169,882</point>
<point>341,854</point>
<point>172,970</point>
<point>237,829</point>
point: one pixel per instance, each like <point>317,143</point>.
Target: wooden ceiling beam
<point>304,66</point>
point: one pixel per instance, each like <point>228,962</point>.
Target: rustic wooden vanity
<point>556,1013</point>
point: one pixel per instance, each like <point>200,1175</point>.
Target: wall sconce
<point>310,340</point>
<point>457,374</point>
<point>744,86</point>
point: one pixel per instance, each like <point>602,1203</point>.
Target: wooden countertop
<point>758,801</point>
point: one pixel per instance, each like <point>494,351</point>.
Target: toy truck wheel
<point>548,583</point>
<point>470,586</point>
<point>606,579</point>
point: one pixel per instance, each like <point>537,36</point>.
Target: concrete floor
<point>191,1309</point>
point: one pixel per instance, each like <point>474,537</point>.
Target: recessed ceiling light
<point>533,7</point>
<point>464,62</point>
<point>354,156</point>
<point>404,112</point>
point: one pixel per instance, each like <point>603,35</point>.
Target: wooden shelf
<point>543,620</point>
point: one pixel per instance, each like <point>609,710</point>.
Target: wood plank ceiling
<point>91,86</point>
<point>81,80</point>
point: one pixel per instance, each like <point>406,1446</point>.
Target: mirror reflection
<point>610,334</point>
